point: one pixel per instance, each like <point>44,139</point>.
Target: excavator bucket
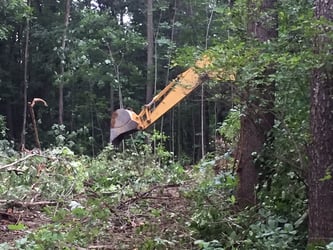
<point>122,123</point>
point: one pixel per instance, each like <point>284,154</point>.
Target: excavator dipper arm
<point>176,91</point>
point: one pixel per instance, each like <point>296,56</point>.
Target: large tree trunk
<point>150,52</point>
<point>255,123</point>
<point>321,149</point>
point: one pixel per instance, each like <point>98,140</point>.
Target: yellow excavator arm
<point>124,121</point>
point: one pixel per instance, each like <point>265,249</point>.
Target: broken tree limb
<point>18,161</point>
<point>33,118</point>
<point>146,194</point>
<point>35,100</point>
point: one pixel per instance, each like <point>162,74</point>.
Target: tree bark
<point>150,52</point>
<point>255,124</point>
<point>320,180</point>
<point>62,62</point>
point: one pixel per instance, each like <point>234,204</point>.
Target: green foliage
<point>55,180</point>
<point>96,65</point>
<point>327,177</point>
<point>159,139</point>
<point>230,127</point>
<point>211,245</point>
<point>97,197</point>
<point>6,147</point>
<point>2,127</point>
<point>75,140</point>
<point>213,198</point>
<point>12,12</point>
<point>93,193</point>
<point>14,227</point>
<point>279,223</point>
<point>105,56</point>
<point>272,232</point>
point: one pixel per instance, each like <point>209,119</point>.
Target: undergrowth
<point>139,199</point>
<point>116,200</point>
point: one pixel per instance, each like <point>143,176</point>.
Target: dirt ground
<point>168,199</point>
<point>30,218</point>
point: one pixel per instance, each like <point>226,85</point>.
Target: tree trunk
<point>62,63</point>
<point>202,122</point>
<point>321,150</point>
<point>169,54</point>
<point>25,81</point>
<point>204,129</point>
<point>150,52</point>
<point>255,124</point>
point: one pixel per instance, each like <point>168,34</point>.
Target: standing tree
<point>150,51</point>
<point>25,79</point>
<point>257,119</point>
<point>321,121</point>
<point>62,62</point>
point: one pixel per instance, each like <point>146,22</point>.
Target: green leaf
<point>232,199</point>
<point>16,227</point>
<point>327,176</point>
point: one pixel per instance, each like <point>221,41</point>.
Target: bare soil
<point>166,211</point>
<point>30,218</point>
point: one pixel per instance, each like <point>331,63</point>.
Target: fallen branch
<point>18,161</point>
<point>160,198</point>
<point>145,194</point>
<point>24,204</point>
<point>101,247</point>
<point>96,247</point>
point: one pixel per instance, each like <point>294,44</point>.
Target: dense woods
<point>241,164</point>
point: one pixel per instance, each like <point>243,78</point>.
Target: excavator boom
<point>124,121</point>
